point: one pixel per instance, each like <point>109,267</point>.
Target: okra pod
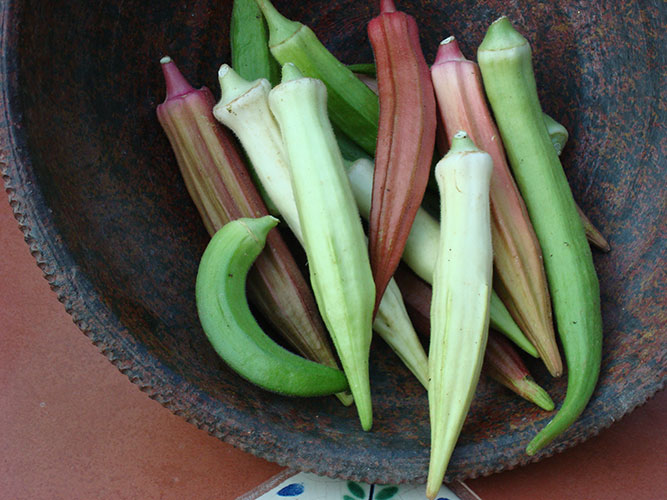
<point>422,247</point>
<point>249,43</point>
<point>504,365</point>
<point>353,107</point>
<point>233,331</point>
<point>559,135</point>
<point>406,137</point>
<point>461,294</point>
<point>333,237</point>
<point>219,184</point>
<point>501,361</point>
<point>519,276</point>
<point>244,108</point>
<point>505,60</point>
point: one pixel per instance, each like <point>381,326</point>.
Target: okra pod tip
<point>280,28</point>
<point>175,82</point>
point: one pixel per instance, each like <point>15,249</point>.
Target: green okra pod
<point>232,330</point>
<point>333,237</point>
<point>505,60</point>
<point>249,43</point>
<point>353,107</point>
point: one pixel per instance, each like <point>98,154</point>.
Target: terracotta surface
<point>74,427</point>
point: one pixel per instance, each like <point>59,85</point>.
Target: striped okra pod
<point>461,293</point>
<point>332,233</point>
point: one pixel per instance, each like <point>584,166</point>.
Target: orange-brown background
<point>73,427</point>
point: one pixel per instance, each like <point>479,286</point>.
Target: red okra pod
<point>406,138</point>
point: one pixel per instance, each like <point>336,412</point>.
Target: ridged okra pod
<point>333,237</point>
<point>353,107</point>
<point>461,293</point>
<point>406,137</point>
<point>501,361</point>
<point>244,108</point>
<point>220,186</point>
<point>519,276</point>
<point>505,60</point>
<point>230,326</point>
<point>421,250</point>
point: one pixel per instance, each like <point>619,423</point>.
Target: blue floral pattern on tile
<point>291,490</point>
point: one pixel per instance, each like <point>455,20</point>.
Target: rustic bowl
<point>97,192</point>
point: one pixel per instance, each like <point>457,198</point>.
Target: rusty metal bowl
<point>99,197</point>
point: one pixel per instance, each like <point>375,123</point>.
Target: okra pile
<point>466,235</point>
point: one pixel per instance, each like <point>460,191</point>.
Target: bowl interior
<point>96,182</point>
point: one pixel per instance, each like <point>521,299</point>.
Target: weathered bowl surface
<point>98,194</point>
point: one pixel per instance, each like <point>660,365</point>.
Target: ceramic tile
<point>306,486</point>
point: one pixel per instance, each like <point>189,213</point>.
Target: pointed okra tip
<point>280,28</point>
<point>290,72</point>
<point>232,85</point>
<point>449,50</point>
<point>176,83</point>
<point>258,228</point>
<point>461,143</point>
<point>501,35</point>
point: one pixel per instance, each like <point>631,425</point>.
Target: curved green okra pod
<point>353,107</point>
<point>245,110</point>
<point>230,327</point>
<point>505,60</point>
<point>333,237</point>
<point>421,250</point>
<point>461,294</point>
